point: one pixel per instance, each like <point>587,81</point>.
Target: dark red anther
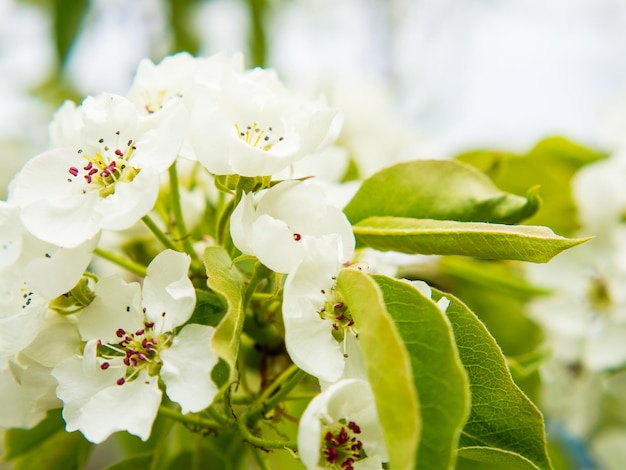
<point>139,332</point>
<point>354,427</point>
<point>331,454</point>
<point>120,333</point>
<point>88,166</point>
<point>105,365</point>
<point>340,317</point>
<point>93,171</point>
<point>121,381</point>
<point>119,153</point>
<point>297,237</point>
<point>351,322</point>
<point>148,324</point>
<point>88,179</point>
<point>338,305</point>
<point>73,171</point>
<point>335,327</point>
<point>126,361</point>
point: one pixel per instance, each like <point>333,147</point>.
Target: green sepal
<point>248,184</point>
<point>73,301</point>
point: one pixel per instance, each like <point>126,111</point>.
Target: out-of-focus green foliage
<point>551,164</point>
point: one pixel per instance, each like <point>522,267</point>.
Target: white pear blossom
<point>105,175</point>
<point>20,413</point>
<point>25,379</point>
<point>45,268</point>
<point>340,429</point>
<point>175,79</point>
<point>21,314</point>
<point>131,342</point>
<point>279,227</point>
<point>253,126</point>
<point>320,335</point>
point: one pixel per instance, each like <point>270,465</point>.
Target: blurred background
<point>455,74</point>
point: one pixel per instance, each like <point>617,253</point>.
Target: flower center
<point>106,167</point>
<point>135,352</point>
<point>154,101</point>
<point>340,446</point>
<point>257,137</point>
<point>338,313</point>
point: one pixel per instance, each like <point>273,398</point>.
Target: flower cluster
<point>171,256</point>
<point>117,344</point>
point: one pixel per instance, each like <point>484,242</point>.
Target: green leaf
<point>444,237</point>
<point>437,189</point>
<point>224,279</point>
<point>388,367</point>
<point>68,17</point>
<point>209,309</point>
<point>132,463</point>
<point>487,458</point>
<point>61,451</point>
<point>551,164</point>
<point>428,338</point>
<point>501,417</point>
<point>20,441</point>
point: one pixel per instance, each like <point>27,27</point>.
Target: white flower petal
<point>57,340</point>
<point>241,223</point>
<point>20,413</point>
<point>187,367</point>
<point>59,272</point>
<point>349,400</point>
<point>313,349</point>
<point>131,407</point>
<point>130,202</point>
<point>53,209</point>
<point>21,314</point>
<point>274,245</point>
<point>95,405</point>
<point>80,378</point>
<point>10,234</point>
<point>168,294</point>
<point>116,305</point>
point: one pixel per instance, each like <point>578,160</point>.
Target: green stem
<point>125,263</point>
<point>181,227</point>
<point>192,420</point>
<point>259,273</point>
<point>260,459</point>
<point>159,233</point>
<point>264,443</point>
<point>78,295</point>
<point>217,416</point>
<point>274,394</point>
<point>223,221</point>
